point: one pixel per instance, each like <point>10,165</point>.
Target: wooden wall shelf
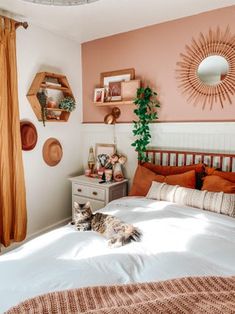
<point>41,81</point>
<point>114,103</point>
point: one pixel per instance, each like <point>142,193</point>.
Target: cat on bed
<point>115,230</point>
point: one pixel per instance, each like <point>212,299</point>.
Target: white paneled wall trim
<point>201,136</point>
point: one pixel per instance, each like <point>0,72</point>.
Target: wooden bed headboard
<point>225,162</point>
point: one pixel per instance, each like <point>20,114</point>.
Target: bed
<point>178,241</point>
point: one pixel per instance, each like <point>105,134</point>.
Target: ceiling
<point>107,17</point>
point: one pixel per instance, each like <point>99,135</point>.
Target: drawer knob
<point>94,193</point>
<point>79,190</point>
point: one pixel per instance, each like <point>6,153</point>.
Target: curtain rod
<point>9,15</point>
<point>23,24</point>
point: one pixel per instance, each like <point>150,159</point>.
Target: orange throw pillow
<point>142,181</point>
<point>214,183</point>
<point>226,175</point>
<point>186,179</point>
<point>144,177</point>
<point>169,170</point>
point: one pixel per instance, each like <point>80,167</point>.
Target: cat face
<point>82,208</point>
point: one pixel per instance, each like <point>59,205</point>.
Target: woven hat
<point>28,134</point>
<point>52,152</point>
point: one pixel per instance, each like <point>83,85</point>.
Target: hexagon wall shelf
<point>46,80</point>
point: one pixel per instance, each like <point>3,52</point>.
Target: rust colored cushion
<point>186,179</point>
<point>226,175</point>
<point>144,177</point>
<point>169,170</point>
<point>209,170</point>
<point>214,183</point>
<point>142,181</point>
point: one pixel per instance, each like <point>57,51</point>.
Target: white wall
<point>48,190</point>
<point>218,137</point>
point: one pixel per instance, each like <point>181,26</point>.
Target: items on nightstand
<point>117,161</point>
<point>108,175</point>
<point>91,160</point>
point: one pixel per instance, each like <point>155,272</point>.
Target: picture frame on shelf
<point>99,95</point>
<point>115,91</point>
<point>129,89</point>
<point>111,81</point>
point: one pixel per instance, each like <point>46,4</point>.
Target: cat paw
<point>114,243</point>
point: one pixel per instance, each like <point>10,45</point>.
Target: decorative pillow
<point>170,170</point>
<point>186,179</point>
<point>226,175</point>
<point>142,181</point>
<point>216,202</point>
<point>144,177</point>
<point>215,183</point>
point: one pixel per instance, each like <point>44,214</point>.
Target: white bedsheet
<point>177,241</point>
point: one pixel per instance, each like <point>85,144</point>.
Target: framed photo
<point>99,95</point>
<point>103,152</point>
<point>111,81</point>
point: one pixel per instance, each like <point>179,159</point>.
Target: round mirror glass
<point>213,70</point>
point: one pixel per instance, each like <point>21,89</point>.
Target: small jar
<point>108,175</point>
<point>87,172</point>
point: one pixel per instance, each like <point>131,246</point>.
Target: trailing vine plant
<point>146,103</point>
<point>42,98</point>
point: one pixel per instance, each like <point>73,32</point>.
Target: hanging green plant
<point>68,104</point>
<point>146,103</point>
<point>42,98</point>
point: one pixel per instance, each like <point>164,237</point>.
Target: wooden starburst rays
<point>214,43</point>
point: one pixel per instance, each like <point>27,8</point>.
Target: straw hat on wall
<point>52,152</point>
<point>29,136</point>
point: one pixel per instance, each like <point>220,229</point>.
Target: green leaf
<point>146,104</point>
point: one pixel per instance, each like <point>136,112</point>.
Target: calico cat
<point>116,231</point>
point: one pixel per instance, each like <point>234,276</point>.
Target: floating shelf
<point>39,82</point>
<point>56,109</point>
<point>114,103</point>
<point>50,86</point>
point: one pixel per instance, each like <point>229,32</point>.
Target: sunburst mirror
<point>206,71</point>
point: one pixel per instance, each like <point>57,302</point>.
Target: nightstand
<point>89,189</point>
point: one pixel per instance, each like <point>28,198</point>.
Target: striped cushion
<point>218,202</point>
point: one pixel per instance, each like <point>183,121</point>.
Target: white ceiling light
<point>61,2</point>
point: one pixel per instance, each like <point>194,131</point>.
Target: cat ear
<point>75,205</point>
<point>88,204</point>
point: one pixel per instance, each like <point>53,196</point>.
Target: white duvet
<point>177,242</point>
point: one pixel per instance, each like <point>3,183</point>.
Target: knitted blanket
<point>187,295</point>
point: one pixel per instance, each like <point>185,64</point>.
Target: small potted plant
<point>67,104</point>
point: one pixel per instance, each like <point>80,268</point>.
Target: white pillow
<point>218,202</point>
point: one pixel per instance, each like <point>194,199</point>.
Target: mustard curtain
<point>13,219</point>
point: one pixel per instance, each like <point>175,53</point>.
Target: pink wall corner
<point>153,51</point>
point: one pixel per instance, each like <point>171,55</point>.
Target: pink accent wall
<point>153,51</point>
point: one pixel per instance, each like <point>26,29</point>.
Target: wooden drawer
<point>80,189</point>
<point>89,191</point>
<point>82,200</point>
<point>96,193</point>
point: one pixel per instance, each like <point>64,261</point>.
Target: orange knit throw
<point>187,295</point>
